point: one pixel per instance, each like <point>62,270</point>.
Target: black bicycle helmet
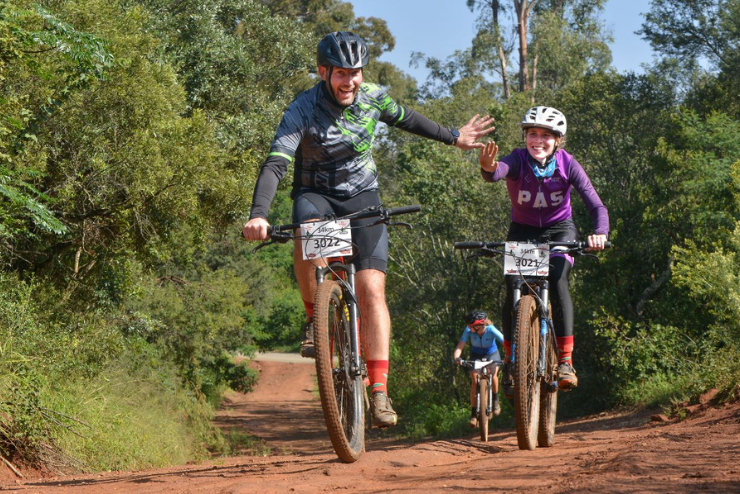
<point>343,49</point>
<point>476,316</point>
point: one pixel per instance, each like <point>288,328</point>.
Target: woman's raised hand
<point>487,158</point>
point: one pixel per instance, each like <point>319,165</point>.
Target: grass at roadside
<point>128,421</point>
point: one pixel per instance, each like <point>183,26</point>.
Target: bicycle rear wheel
<point>342,395</point>
<point>526,385</point>
<point>482,407</point>
<point>549,396</point>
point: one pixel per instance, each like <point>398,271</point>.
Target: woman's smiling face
<point>540,143</point>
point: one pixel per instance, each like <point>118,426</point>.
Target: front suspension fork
<point>347,272</point>
<point>542,296</point>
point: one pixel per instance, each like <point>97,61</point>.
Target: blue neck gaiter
<point>543,171</point>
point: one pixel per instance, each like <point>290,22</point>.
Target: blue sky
<point>439,27</point>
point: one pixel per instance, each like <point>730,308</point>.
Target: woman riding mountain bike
<point>482,336</point>
<point>539,179</point>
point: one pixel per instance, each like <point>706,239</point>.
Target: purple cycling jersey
<point>542,203</point>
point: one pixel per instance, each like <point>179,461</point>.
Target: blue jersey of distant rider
<point>482,345</point>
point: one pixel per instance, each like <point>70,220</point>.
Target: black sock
<point>474,413</point>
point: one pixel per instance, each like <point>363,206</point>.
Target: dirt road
<point>625,453</point>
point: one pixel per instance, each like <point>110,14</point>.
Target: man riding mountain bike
<point>328,132</point>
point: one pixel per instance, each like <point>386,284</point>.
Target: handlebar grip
<point>469,245</point>
<point>404,210</point>
<point>608,245</point>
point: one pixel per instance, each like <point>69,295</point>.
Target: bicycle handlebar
<point>379,212</point>
<point>574,245</point>
<point>471,364</point>
<point>404,210</point>
<point>478,245</point>
<point>280,233</point>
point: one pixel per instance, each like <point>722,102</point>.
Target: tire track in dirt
<point>611,453</point>
<point>282,410</point>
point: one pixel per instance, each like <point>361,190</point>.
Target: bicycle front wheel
<point>526,385</point>
<point>342,395</point>
<point>549,398</point>
<point>482,407</point>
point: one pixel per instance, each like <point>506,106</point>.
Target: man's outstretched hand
<point>476,128</point>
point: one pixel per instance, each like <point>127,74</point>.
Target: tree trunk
<point>501,53</point>
<point>523,10</point>
<point>534,77</point>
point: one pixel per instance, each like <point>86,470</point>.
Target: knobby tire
<point>482,407</point>
<point>526,385</point>
<point>549,398</point>
<point>342,396</point>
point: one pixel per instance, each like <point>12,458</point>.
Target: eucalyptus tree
<point>556,40</point>
<point>320,17</point>
<point>699,40</point>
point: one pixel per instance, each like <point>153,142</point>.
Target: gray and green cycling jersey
<point>332,145</point>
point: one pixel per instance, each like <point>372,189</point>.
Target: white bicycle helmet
<point>545,117</point>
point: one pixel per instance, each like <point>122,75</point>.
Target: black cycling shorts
<point>565,231</point>
<point>370,243</point>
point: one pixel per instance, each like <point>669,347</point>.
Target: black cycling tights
<point>562,304</point>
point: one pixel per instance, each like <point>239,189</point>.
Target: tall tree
<point>564,36</point>
<point>699,41</point>
<point>523,10</point>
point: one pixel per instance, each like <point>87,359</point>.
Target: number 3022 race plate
<point>324,239</point>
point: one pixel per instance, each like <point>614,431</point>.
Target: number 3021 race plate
<point>323,239</point>
<point>526,259</point>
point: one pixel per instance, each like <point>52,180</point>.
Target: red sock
<point>378,373</point>
<point>309,309</point>
<point>565,347</point>
<point>507,349</point>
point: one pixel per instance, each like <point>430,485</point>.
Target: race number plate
<point>479,364</point>
<point>526,259</point>
<point>324,239</point>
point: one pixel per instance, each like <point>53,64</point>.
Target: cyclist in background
<point>328,132</point>
<point>539,179</point>
<point>482,336</point>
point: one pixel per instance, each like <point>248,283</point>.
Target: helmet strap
<point>329,72</point>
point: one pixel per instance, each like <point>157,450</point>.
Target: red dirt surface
<point>615,453</point>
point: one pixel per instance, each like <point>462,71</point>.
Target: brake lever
<point>485,251</point>
<point>263,244</point>
<point>402,223</point>
<point>281,237</point>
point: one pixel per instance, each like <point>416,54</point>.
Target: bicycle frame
<point>336,325</point>
<point>541,289</point>
<point>348,270</point>
<point>534,349</point>
<point>487,368</point>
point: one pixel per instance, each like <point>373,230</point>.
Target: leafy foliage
<point>131,133</point>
